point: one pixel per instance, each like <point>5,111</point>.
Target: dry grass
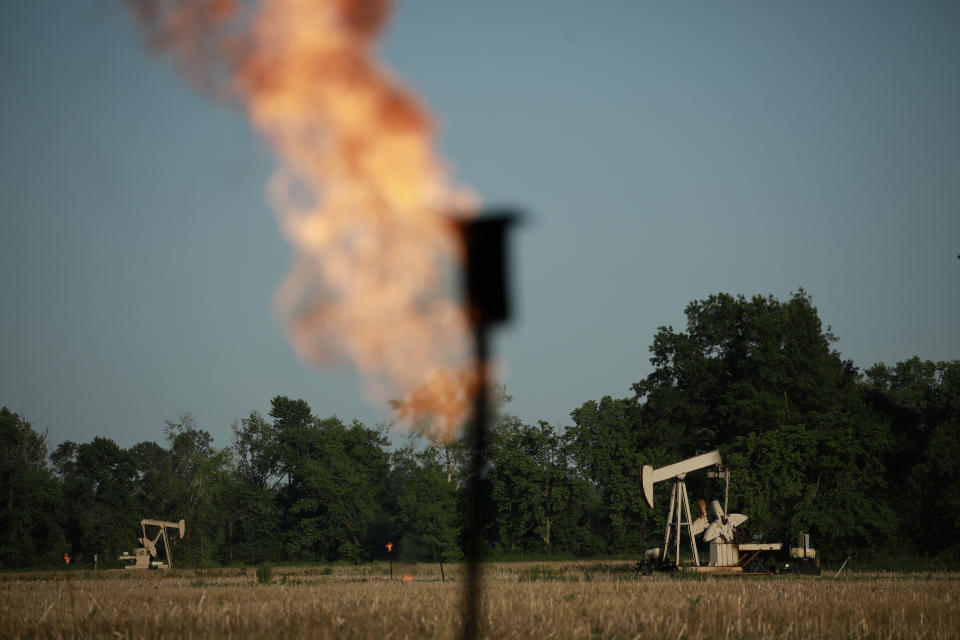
<point>553,599</point>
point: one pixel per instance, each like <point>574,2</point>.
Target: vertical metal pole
<point>726,489</point>
<point>166,546</point>
<point>477,508</point>
<point>693,542</point>
<point>677,531</point>
<point>666,538</point>
<point>803,564</point>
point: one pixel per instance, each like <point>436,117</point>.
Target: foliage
<point>867,463</point>
<point>250,495</point>
<point>759,379</point>
<point>99,486</point>
<point>336,484</point>
<point>534,488</point>
<point>427,519</point>
<point>195,487</point>
<point>920,401</point>
<point>607,448</point>
<point>30,533</point>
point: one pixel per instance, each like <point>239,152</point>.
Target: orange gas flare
<point>360,194</point>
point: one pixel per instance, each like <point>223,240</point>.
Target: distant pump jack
<point>142,557</point>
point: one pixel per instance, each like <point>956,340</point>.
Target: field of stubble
<point>521,600</point>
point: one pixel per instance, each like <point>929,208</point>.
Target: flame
<point>389,547</point>
<point>360,193</point>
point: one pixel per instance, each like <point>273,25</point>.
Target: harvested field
<point>552,599</point>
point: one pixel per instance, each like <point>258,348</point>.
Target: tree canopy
<point>867,462</point>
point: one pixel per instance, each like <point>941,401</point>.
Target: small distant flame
<point>360,194</point>
<point>389,547</point>
<point>66,558</point>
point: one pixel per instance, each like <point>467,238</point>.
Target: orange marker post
<point>389,547</point>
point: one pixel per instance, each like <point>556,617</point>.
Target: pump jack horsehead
<point>141,557</point>
<point>726,556</point>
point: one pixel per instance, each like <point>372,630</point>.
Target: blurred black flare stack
<point>486,280</point>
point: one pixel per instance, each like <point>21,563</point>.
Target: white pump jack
<point>718,532</point>
<point>142,556</point>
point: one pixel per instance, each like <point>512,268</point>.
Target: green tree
<point>427,520</point>
<point>607,445</point>
<point>254,521</point>
<point>100,487</point>
<point>920,400</point>
<point>30,533</point>
<point>741,365</point>
<point>293,430</point>
<point>197,488</point>
<point>759,379</point>
<point>336,491</point>
<point>154,466</point>
<point>257,454</point>
<point>532,485</point>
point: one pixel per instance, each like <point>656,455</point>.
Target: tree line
<point>866,461</point>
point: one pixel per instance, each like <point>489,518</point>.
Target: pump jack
<point>142,555</point>
<point>726,555</point>
<point>680,506</point>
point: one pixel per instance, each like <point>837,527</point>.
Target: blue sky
<point>663,153</point>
